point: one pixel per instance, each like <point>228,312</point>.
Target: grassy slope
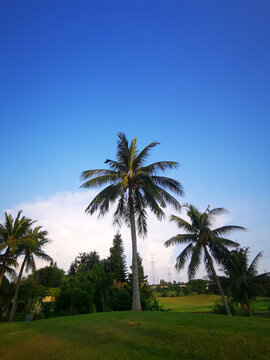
<point>194,303</point>
<point>127,335</point>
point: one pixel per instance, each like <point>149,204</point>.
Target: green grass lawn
<point>146,335</point>
<point>192,303</point>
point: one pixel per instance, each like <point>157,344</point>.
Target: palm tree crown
<point>243,281</point>
<point>30,248</point>
<point>201,238</point>
<point>130,179</point>
<point>135,186</point>
<point>12,234</point>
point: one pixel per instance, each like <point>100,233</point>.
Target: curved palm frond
<point>96,172</point>
<point>227,229</point>
<point>153,168</point>
<point>195,261</point>
<point>180,239</point>
<point>252,270</point>
<point>104,199</point>
<point>182,258</point>
<point>169,184</point>
<point>142,156</point>
<point>101,180</point>
<point>169,199</point>
<point>183,224</point>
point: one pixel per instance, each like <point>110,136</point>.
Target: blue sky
<point>193,75</point>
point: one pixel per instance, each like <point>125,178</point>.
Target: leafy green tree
<point>6,294</point>
<point>243,282</point>
<point>76,296</point>
<point>135,186</point>
<point>12,233</point>
<point>83,263</point>
<point>116,262</point>
<point>30,248</point>
<point>50,276</point>
<point>201,238</point>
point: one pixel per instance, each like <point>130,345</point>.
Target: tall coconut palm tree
<point>243,281</point>
<point>12,233</point>
<point>136,187</point>
<point>30,248</point>
<point>201,238</point>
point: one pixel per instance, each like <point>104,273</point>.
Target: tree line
<point>135,187</point>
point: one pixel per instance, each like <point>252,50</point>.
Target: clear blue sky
<point>193,75</point>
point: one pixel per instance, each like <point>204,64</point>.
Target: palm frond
<point>182,258</point>
<point>96,172</point>
<point>225,242</point>
<point>116,165</point>
<point>122,149</point>
<point>103,200</point>
<point>183,224</point>
<point>195,261</point>
<point>217,211</point>
<point>101,180</point>
<point>141,157</point>
<point>252,270</point>
<point>169,199</point>
<point>152,169</point>
<point>180,239</point>
<point>169,184</point>
<point>227,229</point>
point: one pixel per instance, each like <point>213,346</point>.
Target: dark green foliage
<point>219,308</point>
<point>116,262</point>
<point>76,296</point>
<point>243,282</point>
<point>87,291</point>
<point>6,294</point>
<point>199,286</point>
<point>50,276</point>
<point>83,263</point>
<point>31,294</point>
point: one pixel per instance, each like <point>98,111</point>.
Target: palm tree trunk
<point>136,299</point>
<point>210,261</point>
<point>2,271</point>
<point>248,304</point>
<point>15,299</point>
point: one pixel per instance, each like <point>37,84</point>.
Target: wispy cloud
<point>72,231</point>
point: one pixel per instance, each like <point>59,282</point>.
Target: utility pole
<point>152,262</point>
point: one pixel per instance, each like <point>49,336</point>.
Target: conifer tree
<point>117,259</point>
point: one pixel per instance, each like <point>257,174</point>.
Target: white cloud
<point>72,231</point>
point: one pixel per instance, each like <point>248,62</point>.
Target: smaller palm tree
<point>201,238</point>
<point>10,265</point>
<point>12,233</point>
<point>31,247</point>
<point>243,281</point>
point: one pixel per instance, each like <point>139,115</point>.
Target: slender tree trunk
<point>15,299</point>
<point>228,311</point>
<point>136,299</point>
<point>248,304</point>
<point>2,271</point>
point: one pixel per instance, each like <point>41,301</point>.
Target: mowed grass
<point>129,335</point>
<point>192,303</point>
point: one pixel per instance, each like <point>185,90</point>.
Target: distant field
<point>192,303</point>
<point>204,303</point>
<point>130,336</point>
